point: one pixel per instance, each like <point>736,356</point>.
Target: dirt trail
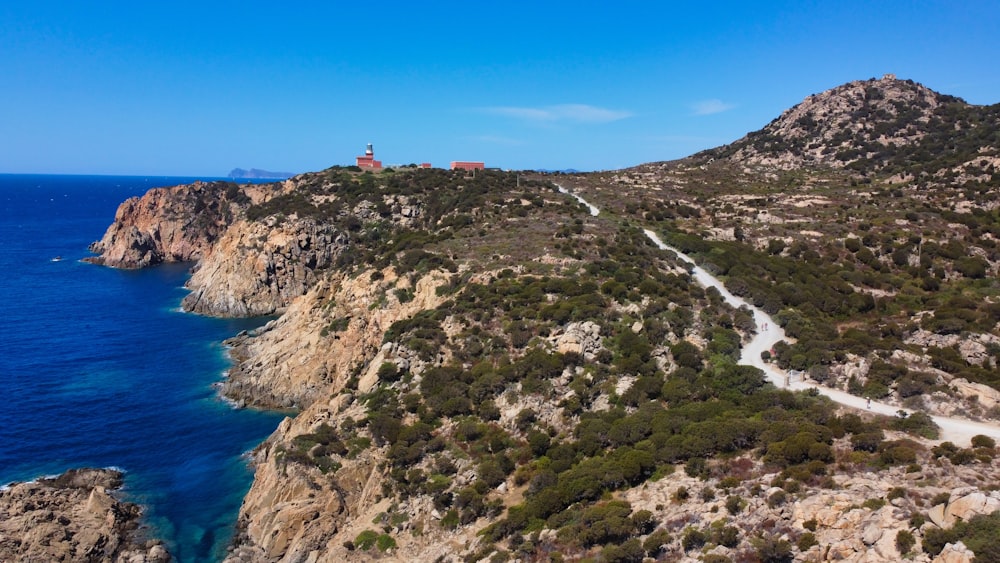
<point>957,430</point>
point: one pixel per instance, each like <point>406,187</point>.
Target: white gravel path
<point>957,430</point>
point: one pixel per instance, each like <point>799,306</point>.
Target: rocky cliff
<point>73,517</point>
<point>332,333</point>
<point>484,370</point>
<point>306,359</point>
<point>258,268</point>
<point>175,224</point>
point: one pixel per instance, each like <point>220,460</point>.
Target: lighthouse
<point>368,162</point>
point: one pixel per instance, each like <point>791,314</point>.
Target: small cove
<point>100,368</point>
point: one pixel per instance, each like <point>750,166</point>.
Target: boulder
<point>972,504</point>
<point>937,515</point>
<point>579,338</point>
<point>986,396</point>
<point>955,553</point>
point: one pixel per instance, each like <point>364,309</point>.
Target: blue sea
<point>99,367</point>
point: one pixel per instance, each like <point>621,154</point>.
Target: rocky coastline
<point>74,517</point>
<point>329,354</point>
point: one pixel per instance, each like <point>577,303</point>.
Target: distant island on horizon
<point>258,173</point>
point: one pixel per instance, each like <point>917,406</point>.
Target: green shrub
<point>773,550</point>
<point>388,372</point>
<point>941,498</point>
<point>728,536</point>
<point>734,504</point>
<point>806,541</point>
<point>366,540</point>
<point>693,538</point>
<point>777,499</point>
<point>681,494</point>
<point>656,541</point>
<point>385,542</point>
<point>981,441</point>
<point>450,520</point>
<point>631,551</point>
<point>918,423</point>
<point>896,492</point>
<point>707,494</point>
<point>874,503</point>
<point>905,541</point>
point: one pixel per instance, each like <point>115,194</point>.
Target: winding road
<point>957,430</point>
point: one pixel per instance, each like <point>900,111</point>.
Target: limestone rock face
<point>175,224</point>
<point>73,518</point>
<point>258,268</point>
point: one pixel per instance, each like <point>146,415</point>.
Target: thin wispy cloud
<point>578,113</point>
<point>709,107</point>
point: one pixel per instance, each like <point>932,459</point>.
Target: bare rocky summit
<point>73,517</point>
<point>877,125</point>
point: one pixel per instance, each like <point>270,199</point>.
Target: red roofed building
<point>368,160</point>
<point>461,165</point>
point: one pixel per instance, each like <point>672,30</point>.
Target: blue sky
<point>198,88</point>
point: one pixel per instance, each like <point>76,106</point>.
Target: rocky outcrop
<point>335,330</point>
<point>955,553</point>
<point>73,517</point>
<point>298,512</point>
<point>258,268</point>
<point>974,348</point>
<point>293,510</point>
<point>583,338</point>
<point>985,396</point>
<point>175,224</point>
<point>969,503</point>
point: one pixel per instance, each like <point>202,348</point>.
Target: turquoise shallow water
<point>99,367</point>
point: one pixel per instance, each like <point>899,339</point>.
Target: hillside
<point>887,285</point>
<point>888,127</point>
<point>485,370</point>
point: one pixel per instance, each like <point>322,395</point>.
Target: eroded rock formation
<point>175,224</point>
<point>258,268</point>
<point>73,517</point>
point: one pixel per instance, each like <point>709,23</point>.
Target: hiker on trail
<point>869,402</point>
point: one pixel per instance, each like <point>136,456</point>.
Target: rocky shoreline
<point>320,484</point>
<point>74,517</point>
